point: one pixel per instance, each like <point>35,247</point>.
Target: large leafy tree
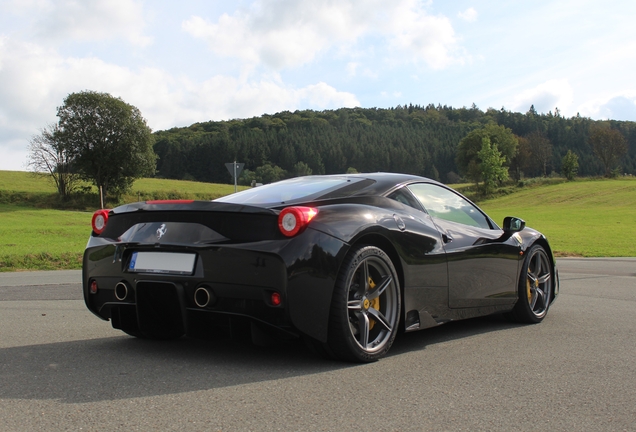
<point>609,146</point>
<point>468,160</point>
<point>108,140</point>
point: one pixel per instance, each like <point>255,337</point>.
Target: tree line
<point>410,139</point>
<point>102,139</point>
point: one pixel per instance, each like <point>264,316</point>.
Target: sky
<point>195,60</point>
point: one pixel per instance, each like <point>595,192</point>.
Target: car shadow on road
<point>419,340</point>
<point>125,367</point>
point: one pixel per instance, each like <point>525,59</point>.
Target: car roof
<point>383,181</point>
<point>328,187</point>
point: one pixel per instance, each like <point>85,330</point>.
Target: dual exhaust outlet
<point>203,296</point>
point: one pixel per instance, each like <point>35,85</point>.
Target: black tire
<point>536,285</point>
<point>366,305</point>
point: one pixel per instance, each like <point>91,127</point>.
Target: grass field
<point>19,181</point>
<point>33,237</point>
<point>38,190</point>
<point>584,218</point>
<point>42,239</point>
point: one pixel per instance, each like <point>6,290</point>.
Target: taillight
<point>100,219</point>
<point>293,220</point>
<point>276,299</point>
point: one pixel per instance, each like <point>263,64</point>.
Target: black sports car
<point>343,261</point>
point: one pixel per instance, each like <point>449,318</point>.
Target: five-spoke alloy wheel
<point>535,287</point>
<point>366,306</point>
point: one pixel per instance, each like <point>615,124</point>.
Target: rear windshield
<point>298,189</point>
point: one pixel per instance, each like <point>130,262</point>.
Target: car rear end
<point>164,268</point>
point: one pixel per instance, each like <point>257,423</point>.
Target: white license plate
<point>162,262</point>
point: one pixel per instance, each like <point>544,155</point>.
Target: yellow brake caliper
<point>529,289</point>
<point>375,304</point>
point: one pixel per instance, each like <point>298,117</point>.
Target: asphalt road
<point>61,368</point>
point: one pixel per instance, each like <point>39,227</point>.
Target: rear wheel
<point>366,305</point>
<point>535,287</point>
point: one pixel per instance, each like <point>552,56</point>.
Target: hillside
<point>37,190</point>
<point>410,139</point>
<point>586,218</point>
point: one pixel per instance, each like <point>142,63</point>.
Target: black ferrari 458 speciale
<point>343,261</point>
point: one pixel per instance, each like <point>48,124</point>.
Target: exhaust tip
<point>121,291</point>
<point>203,297</point>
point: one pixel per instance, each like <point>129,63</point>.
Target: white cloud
<point>545,97</point>
<point>352,68</point>
<point>90,20</point>
<point>469,15</point>
<point>288,33</point>
<point>617,107</point>
<point>14,156</point>
<point>35,80</point>
<point>424,37</point>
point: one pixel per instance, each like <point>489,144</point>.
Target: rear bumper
<point>240,280</point>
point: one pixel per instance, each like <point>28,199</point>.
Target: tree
<point>570,165</point>
<point>492,166</point>
<point>540,151</point>
<point>467,158</point>
<point>609,146</point>
<point>267,173</point>
<point>301,169</point>
<point>46,154</point>
<point>107,139</point>
<point>520,163</point>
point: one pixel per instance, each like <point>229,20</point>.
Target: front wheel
<point>535,287</point>
<point>366,306</point>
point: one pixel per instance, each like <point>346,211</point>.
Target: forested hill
<point>407,139</point>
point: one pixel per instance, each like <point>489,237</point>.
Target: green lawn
<point>36,238</point>
<point>38,190</point>
<point>19,181</point>
<point>585,217</point>
<point>41,239</point>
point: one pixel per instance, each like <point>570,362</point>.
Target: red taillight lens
<point>276,299</point>
<point>293,220</point>
<point>100,219</point>
<point>93,287</point>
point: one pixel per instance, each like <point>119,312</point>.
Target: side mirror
<point>513,224</point>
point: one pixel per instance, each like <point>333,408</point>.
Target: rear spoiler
<point>187,205</point>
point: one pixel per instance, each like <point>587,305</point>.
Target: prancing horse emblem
<point>161,231</point>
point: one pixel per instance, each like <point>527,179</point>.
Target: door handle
<point>447,237</point>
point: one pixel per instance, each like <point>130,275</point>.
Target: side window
<point>404,198</point>
<point>445,204</point>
